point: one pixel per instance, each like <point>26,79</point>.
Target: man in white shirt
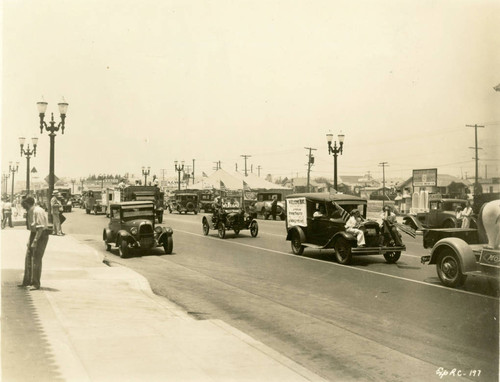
<point>466,215</point>
<point>38,224</point>
<point>352,227</point>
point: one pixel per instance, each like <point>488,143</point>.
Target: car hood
<point>136,223</point>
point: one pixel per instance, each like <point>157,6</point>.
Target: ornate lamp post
<point>4,182</point>
<point>335,150</point>
<point>81,182</point>
<point>73,181</point>
<point>52,129</point>
<point>145,172</point>
<point>13,169</point>
<point>28,153</point>
<point>179,169</point>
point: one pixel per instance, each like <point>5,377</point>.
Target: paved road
<point>368,321</point>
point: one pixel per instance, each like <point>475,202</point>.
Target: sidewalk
<point>91,322</point>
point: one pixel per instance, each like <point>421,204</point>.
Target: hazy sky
<point>152,81</point>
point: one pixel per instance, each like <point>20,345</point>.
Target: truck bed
<point>432,236</point>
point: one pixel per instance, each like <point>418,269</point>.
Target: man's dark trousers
<point>33,261</point>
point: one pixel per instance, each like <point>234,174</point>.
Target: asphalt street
<point>370,320</point>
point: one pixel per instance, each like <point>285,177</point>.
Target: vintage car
<point>185,202</point>
<point>458,252</point>
<point>263,205</point>
<point>93,203</point>
<point>441,214</point>
<point>234,219</point>
<point>328,231</point>
<point>206,201</point>
<point>132,225</point>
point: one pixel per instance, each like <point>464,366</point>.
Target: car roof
<point>327,197</point>
<point>453,200</point>
<point>144,203</point>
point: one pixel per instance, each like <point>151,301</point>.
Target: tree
<point>269,178</point>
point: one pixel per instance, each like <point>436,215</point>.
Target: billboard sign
<point>425,177</point>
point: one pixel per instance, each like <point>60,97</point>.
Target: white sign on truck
<point>296,211</point>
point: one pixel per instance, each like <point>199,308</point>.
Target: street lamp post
<point>335,150</point>
<point>28,153</point>
<point>146,172</point>
<point>13,169</point>
<point>81,182</point>
<point>52,129</point>
<point>5,183</point>
<point>179,169</point>
<point>73,181</point>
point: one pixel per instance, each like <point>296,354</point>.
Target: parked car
<point>93,203</point>
<point>235,219</point>
<point>132,225</point>
<point>263,205</point>
<point>458,252</point>
<point>441,214</point>
<point>328,232</point>
<point>185,202</point>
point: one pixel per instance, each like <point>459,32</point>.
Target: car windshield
<point>129,213</point>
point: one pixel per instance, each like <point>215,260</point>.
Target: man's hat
<point>55,193</point>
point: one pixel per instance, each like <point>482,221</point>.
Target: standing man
<point>38,224</point>
<point>7,214</point>
<point>274,207</point>
<point>55,209</point>
<point>466,215</point>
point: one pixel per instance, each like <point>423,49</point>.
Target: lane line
<point>343,266</point>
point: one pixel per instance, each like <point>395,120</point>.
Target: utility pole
<point>258,169</point>
<point>476,183</point>
<point>245,156</point>
<point>310,162</point>
<point>383,164</point>
<point>193,170</point>
<point>236,167</point>
<point>163,173</point>
<point>251,168</point>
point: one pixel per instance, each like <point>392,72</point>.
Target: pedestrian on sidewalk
<point>7,214</point>
<point>38,224</point>
<point>55,209</point>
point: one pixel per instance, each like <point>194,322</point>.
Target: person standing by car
<point>274,207</point>
<point>466,215</point>
<point>352,227</point>
<point>38,224</point>
<point>55,209</point>
<point>458,216</point>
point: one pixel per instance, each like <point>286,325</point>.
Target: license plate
<point>371,231</point>
<point>490,257</point>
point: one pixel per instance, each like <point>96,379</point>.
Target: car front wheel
<point>168,245</point>
<point>297,247</point>
<point>343,252</point>
<point>124,249</point>
<point>392,257</point>
<point>222,230</point>
<point>206,227</point>
<point>254,228</point>
<point>448,269</point>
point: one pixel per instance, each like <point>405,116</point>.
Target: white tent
<point>234,181</point>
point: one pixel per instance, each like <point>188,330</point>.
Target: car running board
<point>378,250</point>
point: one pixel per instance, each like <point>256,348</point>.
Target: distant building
<point>447,185</point>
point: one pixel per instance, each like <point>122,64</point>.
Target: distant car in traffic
<point>263,205</point>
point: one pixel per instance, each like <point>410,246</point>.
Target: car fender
<point>460,248</point>
<point>344,234</point>
<point>106,234</point>
<point>298,229</point>
<point>167,231</point>
<point>123,234</point>
<point>414,220</point>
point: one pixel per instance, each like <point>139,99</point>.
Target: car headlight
<point>133,230</point>
<point>158,229</point>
